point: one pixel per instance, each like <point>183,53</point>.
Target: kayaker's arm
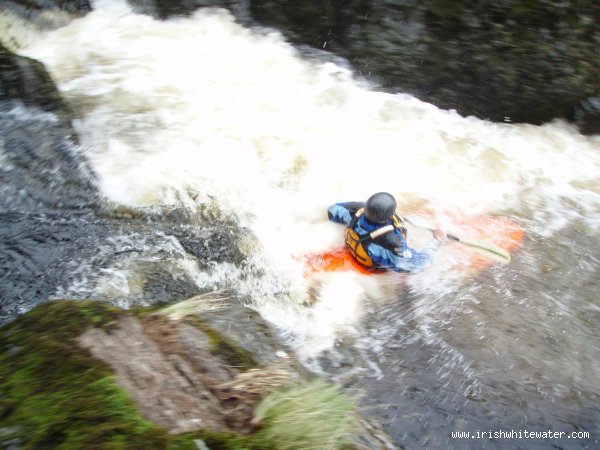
<point>344,211</point>
<point>402,258</point>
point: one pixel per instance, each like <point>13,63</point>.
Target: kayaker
<point>376,235</point>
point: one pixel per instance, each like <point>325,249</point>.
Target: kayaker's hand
<point>439,234</point>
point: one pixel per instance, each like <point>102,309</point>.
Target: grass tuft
<point>313,416</point>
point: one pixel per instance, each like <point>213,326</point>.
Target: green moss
<point>55,395</point>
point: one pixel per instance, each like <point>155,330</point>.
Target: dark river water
<point>205,157</point>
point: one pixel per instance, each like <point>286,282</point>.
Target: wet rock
<point>504,61</point>
<point>587,116</point>
<point>169,8</point>
<point>41,167</point>
<point>162,283</point>
<point>47,198</point>
<point>212,245</point>
<point>31,9</point>
<point>227,320</point>
<point>27,80</point>
<point>166,388</point>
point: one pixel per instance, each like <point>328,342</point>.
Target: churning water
<point>199,111</point>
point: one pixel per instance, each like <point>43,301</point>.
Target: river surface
<point>198,127</point>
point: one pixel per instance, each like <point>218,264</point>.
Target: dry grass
<point>314,416</point>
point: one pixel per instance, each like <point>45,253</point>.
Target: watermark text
<point>520,434</point>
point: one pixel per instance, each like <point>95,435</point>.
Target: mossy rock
<point>55,395</point>
<point>223,347</point>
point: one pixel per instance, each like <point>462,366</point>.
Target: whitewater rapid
<point>203,114</point>
<point>201,110</point>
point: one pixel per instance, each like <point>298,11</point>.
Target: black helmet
<point>380,207</point>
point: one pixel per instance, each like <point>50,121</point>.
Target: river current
<point>202,114</point>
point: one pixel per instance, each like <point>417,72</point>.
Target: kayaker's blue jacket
<point>389,251</point>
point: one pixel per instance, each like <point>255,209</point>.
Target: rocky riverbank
<point>84,374</point>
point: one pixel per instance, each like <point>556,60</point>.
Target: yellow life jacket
<point>358,244</point>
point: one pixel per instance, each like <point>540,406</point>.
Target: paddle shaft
<point>449,236</point>
<point>486,248</point>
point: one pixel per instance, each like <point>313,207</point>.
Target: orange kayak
<point>500,231</point>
